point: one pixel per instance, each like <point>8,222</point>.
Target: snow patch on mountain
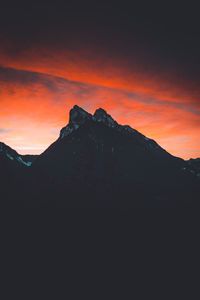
<point>28,163</point>
<point>9,156</point>
<point>13,155</point>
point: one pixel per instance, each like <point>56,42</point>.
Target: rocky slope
<point>97,162</point>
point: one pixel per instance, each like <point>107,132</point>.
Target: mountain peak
<point>78,115</point>
<point>100,111</point>
<point>101,115</point>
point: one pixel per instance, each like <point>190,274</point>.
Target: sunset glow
<point>38,88</point>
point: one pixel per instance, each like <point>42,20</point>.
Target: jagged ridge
<point>78,116</point>
<point>11,154</point>
<point>97,162</point>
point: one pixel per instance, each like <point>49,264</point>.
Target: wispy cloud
<point>34,105</point>
<point>4,131</point>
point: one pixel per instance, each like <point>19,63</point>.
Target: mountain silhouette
<point>96,162</point>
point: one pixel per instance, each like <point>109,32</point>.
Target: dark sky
<point>161,35</point>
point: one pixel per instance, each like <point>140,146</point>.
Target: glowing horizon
<point>39,87</point>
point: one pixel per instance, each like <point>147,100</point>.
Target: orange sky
<point>40,87</point>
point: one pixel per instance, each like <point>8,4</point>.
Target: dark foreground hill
<point>13,170</point>
<point>98,163</point>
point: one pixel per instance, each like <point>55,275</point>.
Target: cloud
<point>26,77</point>
<point>4,130</point>
<point>36,96</point>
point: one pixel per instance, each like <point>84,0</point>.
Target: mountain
<point>94,163</point>
<point>193,165</point>
<point>97,162</point>
<point>6,151</point>
<point>12,175</point>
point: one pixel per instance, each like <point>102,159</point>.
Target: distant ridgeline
<point>97,162</point>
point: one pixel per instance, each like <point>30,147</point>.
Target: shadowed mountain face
<point>98,163</point>
<point>194,166</point>
<point>26,160</point>
<point>13,173</point>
